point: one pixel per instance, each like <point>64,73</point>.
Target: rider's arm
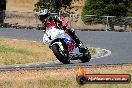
<point>59,23</point>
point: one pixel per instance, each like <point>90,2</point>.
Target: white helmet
<point>43,12</point>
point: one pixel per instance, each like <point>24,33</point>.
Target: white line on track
<point>108,53</point>
<point>27,65</point>
<point>99,50</point>
<point>47,62</point>
<point>37,64</point>
<point>17,66</point>
<point>20,40</point>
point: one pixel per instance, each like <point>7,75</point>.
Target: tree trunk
<point>2,10</point>
<point>2,16</point>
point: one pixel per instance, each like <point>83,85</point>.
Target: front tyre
<point>62,58</point>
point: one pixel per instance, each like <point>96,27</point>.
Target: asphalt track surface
<point>119,43</point>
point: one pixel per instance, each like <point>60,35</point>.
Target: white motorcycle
<point>64,47</point>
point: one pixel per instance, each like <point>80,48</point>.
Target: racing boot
<point>80,45</point>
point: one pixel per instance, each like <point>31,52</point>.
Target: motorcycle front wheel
<point>61,57</point>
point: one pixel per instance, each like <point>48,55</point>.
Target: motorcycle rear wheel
<point>59,56</point>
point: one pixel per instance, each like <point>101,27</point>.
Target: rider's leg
<point>72,34</point>
<point>76,39</point>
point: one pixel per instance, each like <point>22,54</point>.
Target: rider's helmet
<point>44,14</point>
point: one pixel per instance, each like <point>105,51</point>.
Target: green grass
<point>22,52</point>
<point>7,49</point>
<point>92,51</point>
<point>41,83</point>
<point>60,78</point>
<point>54,83</point>
<point>8,52</point>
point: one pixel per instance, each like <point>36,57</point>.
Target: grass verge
<point>22,6</point>
<point>92,51</point>
<point>61,78</point>
<point>21,52</point>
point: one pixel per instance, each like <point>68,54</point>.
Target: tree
<point>129,13</point>
<point>118,8</point>
<point>53,5</point>
<point>2,10</point>
<point>107,7</point>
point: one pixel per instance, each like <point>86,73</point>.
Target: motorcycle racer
<point>58,22</point>
<point>62,39</point>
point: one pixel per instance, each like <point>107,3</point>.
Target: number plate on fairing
<point>69,43</point>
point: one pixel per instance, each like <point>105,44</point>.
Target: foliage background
<point>53,5</point>
<point>119,8</point>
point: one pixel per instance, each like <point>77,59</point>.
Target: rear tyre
<point>59,56</point>
<point>86,57</point>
